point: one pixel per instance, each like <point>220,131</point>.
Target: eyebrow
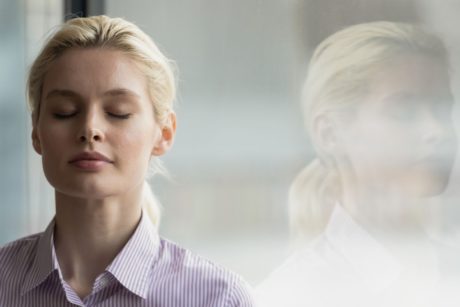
<point>410,97</point>
<point>112,93</point>
<point>61,92</point>
<point>398,96</point>
<point>121,92</point>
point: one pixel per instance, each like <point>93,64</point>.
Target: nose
<point>90,136</point>
<point>437,130</point>
<point>91,129</point>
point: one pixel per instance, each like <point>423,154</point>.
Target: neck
<point>396,222</point>
<point>101,226</point>
<point>385,211</point>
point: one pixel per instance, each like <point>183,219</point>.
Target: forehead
<point>94,71</point>
<point>417,75</point>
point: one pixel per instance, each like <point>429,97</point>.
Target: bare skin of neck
<point>382,208</point>
<point>387,214</point>
<point>90,233</point>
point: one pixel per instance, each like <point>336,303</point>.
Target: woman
<point>378,110</point>
<point>101,97</point>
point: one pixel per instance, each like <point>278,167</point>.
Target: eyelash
<point>120,116</point>
<point>117,116</point>
<point>63,116</point>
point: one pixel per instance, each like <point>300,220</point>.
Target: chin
<point>84,194</point>
<point>426,187</point>
<point>85,189</point>
<point>430,179</point>
<point>432,191</point>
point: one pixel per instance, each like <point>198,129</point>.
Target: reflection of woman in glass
<point>101,96</point>
<point>378,109</point>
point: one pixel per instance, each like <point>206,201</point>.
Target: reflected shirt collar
<point>369,259</point>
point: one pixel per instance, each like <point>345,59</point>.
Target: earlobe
<point>36,141</point>
<point>166,139</point>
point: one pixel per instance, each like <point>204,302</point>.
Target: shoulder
<point>315,258</point>
<point>303,279</point>
<point>16,256</point>
<point>19,250</point>
<point>191,271</point>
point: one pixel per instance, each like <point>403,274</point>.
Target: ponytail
<point>150,205</point>
<point>311,199</point>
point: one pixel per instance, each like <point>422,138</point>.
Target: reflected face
<point>96,129</point>
<point>402,137</point>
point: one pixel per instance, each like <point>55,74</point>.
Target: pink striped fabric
<point>149,271</point>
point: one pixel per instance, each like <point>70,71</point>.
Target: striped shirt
<point>149,271</point>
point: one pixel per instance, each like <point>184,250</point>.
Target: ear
<point>326,135</point>
<point>36,141</point>
<point>166,139</point>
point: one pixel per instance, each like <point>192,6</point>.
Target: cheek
<point>374,145</point>
<point>52,140</point>
<point>133,146</point>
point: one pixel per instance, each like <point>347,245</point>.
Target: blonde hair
<point>121,35</point>
<point>336,83</point>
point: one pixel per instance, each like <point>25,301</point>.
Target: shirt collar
<point>131,267</point>
<point>43,264</point>
<point>369,259</point>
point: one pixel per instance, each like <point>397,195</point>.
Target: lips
<point>91,161</point>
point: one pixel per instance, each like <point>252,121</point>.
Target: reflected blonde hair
<point>121,35</point>
<point>337,81</point>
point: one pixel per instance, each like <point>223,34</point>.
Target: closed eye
<point>119,116</point>
<point>64,115</point>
